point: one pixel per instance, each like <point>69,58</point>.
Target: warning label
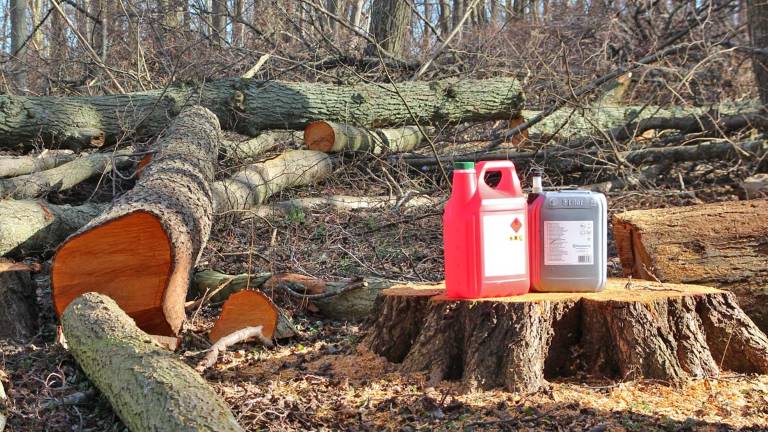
<point>504,251</point>
<point>568,243</point>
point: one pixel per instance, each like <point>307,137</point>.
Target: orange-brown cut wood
<point>246,309</point>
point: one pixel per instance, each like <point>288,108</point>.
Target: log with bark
<point>330,137</point>
<point>12,166</point>
<point>18,302</point>
<point>724,245</point>
<point>255,183</point>
<point>249,149</point>
<point>251,308</point>
<point>65,176</point>
<point>216,287</point>
<point>142,250</point>
<point>250,106</point>
<point>633,329</point>
<point>30,227</point>
<point>147,386</point>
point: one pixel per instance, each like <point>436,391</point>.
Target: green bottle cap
<point>463,165</point>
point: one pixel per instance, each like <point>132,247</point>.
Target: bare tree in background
<point>219,20</point>
<point>758,29</point>
<point>390,21</point>
<point>18,12</point>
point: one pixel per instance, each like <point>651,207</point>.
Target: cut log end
<point>633,329</point>
<point>319,136</point>
<point>128,259</point>
<point>246,309</point>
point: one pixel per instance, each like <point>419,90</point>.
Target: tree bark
<point>250,106</point>
<point>219,286</point>
<point>254,184</point>
<point>19,32</point>
<point>18,303</point>
<point>147,386</point>
<point>633,329</point>
<point>219,21</point>
<point>249,149</point>
<point>141,252</point>
<point>12,166</point>
<point>330,137</point>
<point>293,207</point>
<point>390,21</point>
<point>35,227</point>
<point>757,11</point>
<point>723,245</point>
<point>63,177</point>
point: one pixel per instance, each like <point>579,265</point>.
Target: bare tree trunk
<point>238,29</point>
<point>57,39</point>
<point>35,9</point>
<point>99,33</point>
<point>390,20</point>
<point>219,21</point>
<point>445,18</point>
<point>758,29</point>
<point>18,12</point>
<point>357,12</point>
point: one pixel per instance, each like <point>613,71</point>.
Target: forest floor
<point>321,380</point>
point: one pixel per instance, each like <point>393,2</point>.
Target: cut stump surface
<point>633,329</point>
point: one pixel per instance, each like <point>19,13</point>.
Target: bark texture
<point>757,11</point>
<point>297,206</point>
<point>142,250</point>
<point>255,183</point>
<point>250,106</point>
<point>33,227</point>
<point>240,151</point>
<point>390,20</point>
<point>148,387</point>
<point>18,304</point>
<point>63,177</point>
<point>219,286</point>
<point>724,245</point>
<point>333,137</point>
<point>633,329</point>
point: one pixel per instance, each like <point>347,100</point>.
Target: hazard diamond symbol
<point>516,225</point>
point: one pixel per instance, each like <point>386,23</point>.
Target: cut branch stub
<point>142,250</point>
<point>633,329</point>
<point>251,309</point>
<point>721,244</point>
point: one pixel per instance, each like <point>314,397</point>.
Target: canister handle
<point>509,181</point>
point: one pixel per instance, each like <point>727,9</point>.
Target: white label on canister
<point>568,243</point>
<point>504,251</point>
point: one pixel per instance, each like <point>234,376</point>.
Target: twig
<point>222,344</point>
<point>252,71</point>
<point>445,43</point>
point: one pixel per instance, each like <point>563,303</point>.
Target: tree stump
<point>724,245</point>
<point>633,329</point>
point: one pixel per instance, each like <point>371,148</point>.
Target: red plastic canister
<point>485,233</point>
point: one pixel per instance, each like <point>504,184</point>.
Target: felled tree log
<point>30,227</point>
<point>633,329</point>
<point>252,309</point>
<point>624,121</point>
<point>722,244</point>
<point>64,176</point>
<point>330,137</point>
<point>147,386</point>
<point>219,286</point>
<point>12,166</point>
<point>255,183</point>
<point>142,250</point>
<point>18,303</point>
<point>347,300</point>
<point>250,106</point>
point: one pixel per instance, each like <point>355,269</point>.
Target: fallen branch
<point>65,176</point>
<point>255,183</point>
<point>148,387</point>
<point>341,203</point>
<point>216,287</point>
<point>225,342</point>
<point>242,151</point>
<point>12,166</point>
